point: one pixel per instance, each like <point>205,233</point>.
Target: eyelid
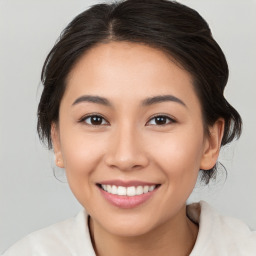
<point>171,119</point>
<point>83,118</point>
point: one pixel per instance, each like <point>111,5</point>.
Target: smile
<point>127,195</point>
<point>128,191</point>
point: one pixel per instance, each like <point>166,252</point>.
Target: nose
<point>126,150</point>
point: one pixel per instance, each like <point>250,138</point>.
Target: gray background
<point>30,196</point>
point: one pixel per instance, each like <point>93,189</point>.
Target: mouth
<point>127,196</point>
<point>128,190</point>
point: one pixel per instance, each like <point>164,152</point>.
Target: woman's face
<point>130,120</point>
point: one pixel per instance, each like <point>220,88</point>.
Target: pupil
<point>96,120</point>
<point>161,120</point>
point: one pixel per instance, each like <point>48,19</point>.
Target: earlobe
<point>212,145</point>
<point>59,160</point>
<point>56,146</point>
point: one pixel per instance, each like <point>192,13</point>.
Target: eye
<point>95,120</point>
<point>160,120</point>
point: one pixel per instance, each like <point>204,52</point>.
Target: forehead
<point>125,69</point>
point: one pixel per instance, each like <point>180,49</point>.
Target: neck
<point>174,237</point>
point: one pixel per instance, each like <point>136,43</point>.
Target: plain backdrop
<point>30,196</point>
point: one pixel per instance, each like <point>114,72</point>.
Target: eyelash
<point>82,120</point>
<point>169,119</point>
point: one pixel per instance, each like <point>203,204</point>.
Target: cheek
<point>81,155</point>
<point>80,149</point>
<point>178,155</point>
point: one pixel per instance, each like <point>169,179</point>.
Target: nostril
<point>127,162</point>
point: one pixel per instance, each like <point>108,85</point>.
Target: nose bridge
<point>126,150</point>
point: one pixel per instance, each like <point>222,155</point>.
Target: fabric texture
<point>218,236</point>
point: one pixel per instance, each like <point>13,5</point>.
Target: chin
<point>129,224</point>
<point>130,230</point>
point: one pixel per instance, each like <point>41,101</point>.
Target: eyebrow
<point>93,99</point>
<point>162,98</point>
<point>145,102</point>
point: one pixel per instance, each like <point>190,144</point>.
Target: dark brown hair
<point>176,29</point>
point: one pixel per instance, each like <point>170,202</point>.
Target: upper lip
<point>127,183</point>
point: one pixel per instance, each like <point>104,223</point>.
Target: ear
<point>212,145</point>
<point>56,145</point>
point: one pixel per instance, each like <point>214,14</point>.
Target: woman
<point>133,109</point>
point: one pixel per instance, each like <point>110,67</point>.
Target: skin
<point>128,144</point>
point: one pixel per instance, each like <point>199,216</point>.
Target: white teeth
<point>114,190</point>
<point>128,191</point>
<point>151,188</point>
<point>109,189</point>
<point>145,189</point>
<point>131,191</point>
<point>139,190</point>
<point>121,191</point>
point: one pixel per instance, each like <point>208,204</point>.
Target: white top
<point>218,236</point>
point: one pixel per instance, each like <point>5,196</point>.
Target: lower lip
<point>127,202</point>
